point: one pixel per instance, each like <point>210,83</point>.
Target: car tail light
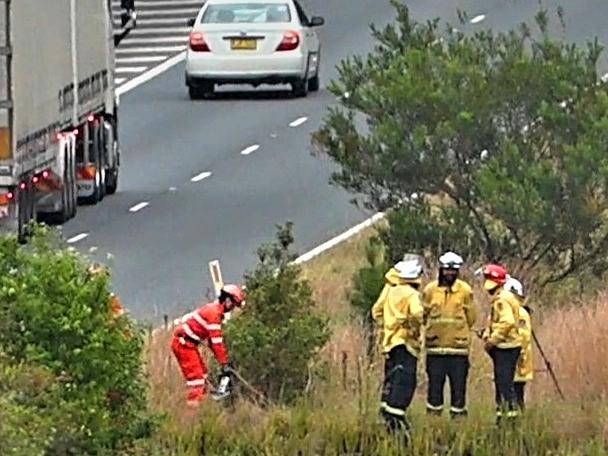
<point>197,42</point>
<point>291,41</point>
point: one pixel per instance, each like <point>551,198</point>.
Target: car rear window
<point>246,13</point>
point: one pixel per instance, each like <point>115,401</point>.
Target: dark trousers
<point>399,387</point>
<point>520,394</point>
<point>505,363</point>
<point>456,369</point>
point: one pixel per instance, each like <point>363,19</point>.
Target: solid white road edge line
<point>250,149</point>
<point>201,176</point>
<point>145,77</point>
<point>298,122</point>
<point>139,206</point>
<point>340,238</point>
<point>78,237</point>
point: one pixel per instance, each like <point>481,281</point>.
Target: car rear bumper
<point>275,68</point>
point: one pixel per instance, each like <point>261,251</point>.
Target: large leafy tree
<point>491,143</point>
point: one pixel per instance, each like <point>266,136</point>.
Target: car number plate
<point>244,44</point>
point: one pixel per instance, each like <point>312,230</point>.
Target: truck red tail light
<point>6,198</point>
<point>197,42</point>
<point>291,41</point>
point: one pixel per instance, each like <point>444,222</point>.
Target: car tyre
<point>313,84</point>
<point>299,88</point>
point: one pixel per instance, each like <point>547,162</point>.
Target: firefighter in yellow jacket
<point>502,340</point>
<point>449,317</point>
<point>399,313</point>
<point>525,364</point>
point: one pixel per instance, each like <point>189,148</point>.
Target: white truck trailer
<point>58,107</point>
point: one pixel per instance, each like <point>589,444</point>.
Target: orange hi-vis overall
<point>202,325</point>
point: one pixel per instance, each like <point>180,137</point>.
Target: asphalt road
<point>161,249</point>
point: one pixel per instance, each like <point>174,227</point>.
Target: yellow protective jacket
<point>399,313</point>
<point>503,329</point>
<point>525,364</point>
<point>449,316</point>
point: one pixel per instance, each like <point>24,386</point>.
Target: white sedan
<point>253,42</point>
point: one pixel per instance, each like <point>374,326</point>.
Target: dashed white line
<point>139,206</point>
<point>298,122</point>
<point>160,39</point>
<point>158,30</point>
<point>141,59</point>
<point>201,176</point>
<point>478,18</point>
<point>250,149</point>
<point>78,237</point>
<point>149,50</point>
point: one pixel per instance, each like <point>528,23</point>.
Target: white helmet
<point>410,269</point>
<point>515,286</point>
<point>450,260</point>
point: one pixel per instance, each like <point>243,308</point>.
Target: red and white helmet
<point>236,293</point>
<point>495,276</point>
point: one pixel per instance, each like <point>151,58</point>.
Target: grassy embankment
<point>339,415</point>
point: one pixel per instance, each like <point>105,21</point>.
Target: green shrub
<point>54,315</point>
<point>276,337</point>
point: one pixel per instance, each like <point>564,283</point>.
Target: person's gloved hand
<point>226,370</point>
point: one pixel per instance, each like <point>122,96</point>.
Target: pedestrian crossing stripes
<point>161,34</point>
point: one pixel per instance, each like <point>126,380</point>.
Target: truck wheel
<point>96,196</point>
<point>72,188</point>
<point>112,181</point>
<point>27,214</point>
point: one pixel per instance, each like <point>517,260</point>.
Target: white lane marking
<point>158,31</point>
<point>149,50</point>
<point>139,206</point>
<point>144,3</point>
<point>478,18</point>
<point>201,176</point>
<point>141,59</point>
<point>298,122</point>
<point>119,80</point>
<point>161,39</point>
<point>161,21</point>
<point>145,77</point>
<point>172,189</point>
<point>250,149</point>
<point>163,12</point>
<point>340,238</point>
<point>78,237</point>
<point>130,69</point>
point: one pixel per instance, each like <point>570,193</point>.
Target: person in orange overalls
<point>204,325</point>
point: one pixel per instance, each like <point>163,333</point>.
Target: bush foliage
<point>274,341</point>
<point>56,321</point>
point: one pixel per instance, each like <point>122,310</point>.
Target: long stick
<point>251,388</point>
<point>548,364</point>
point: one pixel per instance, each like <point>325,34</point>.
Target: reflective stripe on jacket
<point>449,315</point>
<point>525,364</point>
<point>205,324</point>
<point>399,313</point>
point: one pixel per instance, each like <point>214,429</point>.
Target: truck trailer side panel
<point>42,79</point>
